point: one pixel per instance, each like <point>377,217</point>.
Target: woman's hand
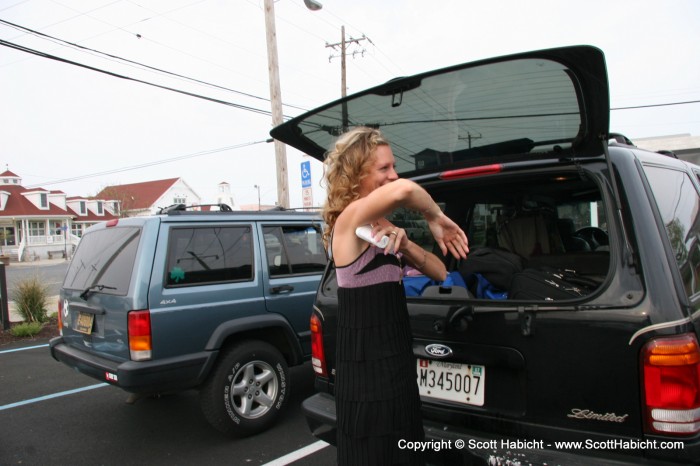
<point>397,236</point>
<point>449,236</point>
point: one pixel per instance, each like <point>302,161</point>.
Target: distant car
<point>217,301</point>
<point>579,320</point>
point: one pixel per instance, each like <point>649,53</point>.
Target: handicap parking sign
<point>306,174</point>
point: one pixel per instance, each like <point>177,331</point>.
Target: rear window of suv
<point>204,255</point>
<point>105,257</point>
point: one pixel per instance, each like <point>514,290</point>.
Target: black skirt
<point>376,395</point>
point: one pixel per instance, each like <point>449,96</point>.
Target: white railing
<point>44,240</point>
<point>20,250</point>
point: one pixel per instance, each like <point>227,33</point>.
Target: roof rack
<point>182,208</point>
<point>621,139</point>
<point>668,153</point>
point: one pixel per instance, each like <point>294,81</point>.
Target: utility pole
<point>343,46</point>
<point>276,99</point>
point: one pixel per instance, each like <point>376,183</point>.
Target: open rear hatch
<point>544,104</point>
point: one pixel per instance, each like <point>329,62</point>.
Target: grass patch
<point>30,298</point>
<point>26,329</point>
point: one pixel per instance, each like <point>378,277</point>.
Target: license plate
<point>450,381</point>
<point>84,322</point>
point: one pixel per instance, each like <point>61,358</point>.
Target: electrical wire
<point>150,164</point>
<point>657,105</point>
<point>126,60</point>
<point>128,78</point>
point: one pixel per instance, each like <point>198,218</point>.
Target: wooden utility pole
<point>276,99</point>
<point>343,46</point>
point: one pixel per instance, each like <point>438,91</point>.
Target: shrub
<point>26,329</point>
<point>29,296</point>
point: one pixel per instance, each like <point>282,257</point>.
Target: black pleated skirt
<point>376,395</point>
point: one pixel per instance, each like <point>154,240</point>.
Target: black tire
<point>246,390</point>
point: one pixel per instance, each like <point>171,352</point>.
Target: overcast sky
<point>60,122</point>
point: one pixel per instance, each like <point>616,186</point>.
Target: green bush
<point>26,329</point>
<point>30,297</point>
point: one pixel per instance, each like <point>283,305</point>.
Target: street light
<point>276,97</point>
<point>313,5</point>
<point>258,188</point>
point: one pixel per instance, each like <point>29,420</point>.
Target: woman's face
<point>381,170</point>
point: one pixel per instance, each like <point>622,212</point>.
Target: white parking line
<point>22,349</point>
<point>53,395</point>
<point>298,454</point>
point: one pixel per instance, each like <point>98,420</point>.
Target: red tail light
<point>672,385</point>
<point>318,357</point>
<point>60,317</point>
<point>139,323</point>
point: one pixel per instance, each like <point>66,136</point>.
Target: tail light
<point>60,317</point>
<point>672,385</point>
<point>472,171</point>
<point>140,345</point>
<point>318,357</point>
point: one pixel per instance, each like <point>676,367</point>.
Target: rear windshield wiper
<point>90,288</point>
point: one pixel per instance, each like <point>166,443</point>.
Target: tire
<point>247,389</point>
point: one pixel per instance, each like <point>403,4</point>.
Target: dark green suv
<point>575,337</point>
<point>217,301</point>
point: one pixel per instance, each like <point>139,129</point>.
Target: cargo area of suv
<point>570,334</point>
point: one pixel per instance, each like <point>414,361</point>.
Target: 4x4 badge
<point>438,350</point>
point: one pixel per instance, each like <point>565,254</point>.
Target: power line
<point>657,105</point>
<point>126,60</point>
<point>150,164</point>
<point>128,78</point>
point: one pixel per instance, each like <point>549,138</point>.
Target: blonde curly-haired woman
<point>377,402</point>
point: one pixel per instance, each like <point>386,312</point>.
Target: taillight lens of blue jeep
<point>140,335</point>
<point>672,385</point>
<point>318,357</point>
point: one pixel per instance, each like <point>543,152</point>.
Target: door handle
<point>281,289</point>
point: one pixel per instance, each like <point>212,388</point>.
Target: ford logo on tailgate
<point>438,350</point>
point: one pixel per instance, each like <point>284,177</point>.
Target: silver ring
<point>393,233</point>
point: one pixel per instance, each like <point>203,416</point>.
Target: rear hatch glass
<point>104,257</point>
<point>95,294</point>
<point>536,105</point>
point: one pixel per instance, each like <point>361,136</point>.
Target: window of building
<point>44,200</point>
<point>77,229</point>
<point>204,255</point>
<point>37,228</point>
<point>294,250</point>
<point>100,208</point>
<point>7,236</point>
<point>179,200</point>
<point>83,208</point>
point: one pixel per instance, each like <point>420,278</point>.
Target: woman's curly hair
<point>345,165</point>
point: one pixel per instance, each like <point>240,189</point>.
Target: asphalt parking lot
<point>51,415</point>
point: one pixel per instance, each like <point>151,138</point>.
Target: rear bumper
<point>137,377</point>
<point>446,445</point>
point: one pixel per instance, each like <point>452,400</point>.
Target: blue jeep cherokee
<point>218,301</point>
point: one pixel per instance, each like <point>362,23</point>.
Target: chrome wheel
<point>253,389</point>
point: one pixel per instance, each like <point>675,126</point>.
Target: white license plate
<point>450,381</point>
